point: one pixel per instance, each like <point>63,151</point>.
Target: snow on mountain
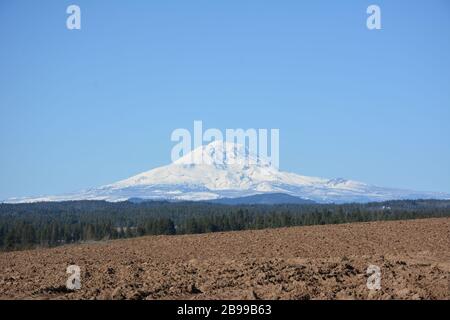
<point>227,170</point>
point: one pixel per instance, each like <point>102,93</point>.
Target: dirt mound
<point>317,262</point>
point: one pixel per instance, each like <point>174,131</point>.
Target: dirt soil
<point>316,262</point>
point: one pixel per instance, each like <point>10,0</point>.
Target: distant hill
<point>266,198</point>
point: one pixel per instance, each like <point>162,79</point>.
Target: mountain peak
<point>220,153</point>
<point>228,170</point>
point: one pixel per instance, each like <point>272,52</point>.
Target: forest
<point>48,224</point>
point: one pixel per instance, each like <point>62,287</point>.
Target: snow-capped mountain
<point>227,170</point>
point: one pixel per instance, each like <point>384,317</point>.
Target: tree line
<point>25,226</point>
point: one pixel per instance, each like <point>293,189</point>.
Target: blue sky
<point>88,107</point>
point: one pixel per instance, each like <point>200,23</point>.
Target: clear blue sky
<point>84,108</point>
